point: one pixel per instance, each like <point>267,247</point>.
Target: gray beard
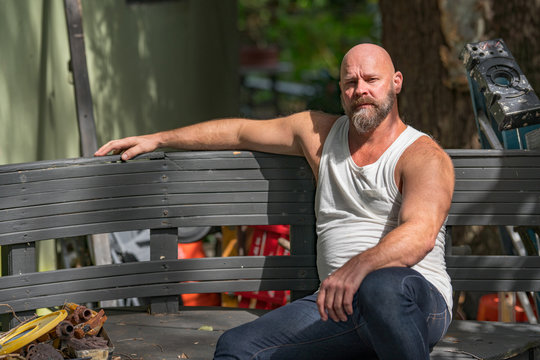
<point>366,120</point>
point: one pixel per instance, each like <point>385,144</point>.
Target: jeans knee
<point>379,283</point>
<point>384,289</point>
<point>227,345</point>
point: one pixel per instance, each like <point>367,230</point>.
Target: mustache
<point>363,101</point>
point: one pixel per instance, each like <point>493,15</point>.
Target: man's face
<point>368,87</point>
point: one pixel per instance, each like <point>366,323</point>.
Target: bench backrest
<point>164,191</point>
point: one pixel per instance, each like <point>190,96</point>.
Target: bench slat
<point>151,180</point>
<point>492,261</point>
<point>45,220</point>
<point>530,208</point>
<point>278,198</point>
<point>489,185</point>
<point>26,204</point>
<point>478,219</point>
<point>494,285</point>
<point>24,304</point>
<point>159,277</point>
<point>497,173</point>
<point>101,271</point>
<point>161,223</point>
<point>498,196</point>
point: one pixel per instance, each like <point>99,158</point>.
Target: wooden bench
<point>164,191</point>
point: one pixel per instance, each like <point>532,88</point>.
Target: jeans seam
<point>443,315</point>
<point>304,343</point>
<point>439,315</point>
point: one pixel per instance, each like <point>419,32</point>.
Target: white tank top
<point>353,200</point>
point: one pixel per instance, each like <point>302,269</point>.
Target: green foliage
<point>312,34</point>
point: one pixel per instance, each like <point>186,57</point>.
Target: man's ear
<point>398,81</point>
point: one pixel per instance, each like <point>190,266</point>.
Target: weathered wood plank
<point>163,290</point>
<point>159,277</point>
<point>489,219</point>
<point>151,180</point>
<point>33,206</point>
<point>165,211</point>
<point>529,208</point>
<point>498,196</point>
<point>158,223</point>
<point>102,271</point>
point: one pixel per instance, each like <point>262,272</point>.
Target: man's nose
<point>360,89</point>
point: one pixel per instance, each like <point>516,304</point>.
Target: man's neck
<point>366,148</point>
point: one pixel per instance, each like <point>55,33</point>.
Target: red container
<point>192,251</point>
<point>265,243</point>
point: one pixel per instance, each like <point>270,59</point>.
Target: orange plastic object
<point>192,251</point>
<point>488,309</point>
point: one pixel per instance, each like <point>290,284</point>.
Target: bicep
<point>279,135</point>
<point>300,134</point>
<point>428,185</point>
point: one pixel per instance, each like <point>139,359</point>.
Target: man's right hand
<point>130,147</point>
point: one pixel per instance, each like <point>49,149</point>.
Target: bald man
<point>383,193</point>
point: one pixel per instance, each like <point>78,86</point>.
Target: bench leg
<point>17,259</point>
<point>303,242</point>
<point>164,246</point>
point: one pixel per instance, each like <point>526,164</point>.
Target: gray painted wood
<point>303,239</point>
<point>54,199</point>
<point>163,246</point>
<point>81,82</point>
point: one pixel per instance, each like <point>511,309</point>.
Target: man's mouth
<point>362,106</point>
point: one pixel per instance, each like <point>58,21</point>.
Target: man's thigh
<point>294,331</point>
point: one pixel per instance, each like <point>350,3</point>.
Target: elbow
<point>429,244</point>
<point>426,241</point>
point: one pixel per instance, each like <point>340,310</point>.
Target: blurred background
<point>159,64</point>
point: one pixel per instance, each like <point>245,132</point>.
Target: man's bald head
<point>368,53</point>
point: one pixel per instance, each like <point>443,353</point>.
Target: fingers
<point>114,146</point>
<point>128,147</point>
<point>132,152</point>
<point>321,304</point>
<point>338,313</point>
<point>334,301</point>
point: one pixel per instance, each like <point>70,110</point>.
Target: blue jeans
<point>398,314</point>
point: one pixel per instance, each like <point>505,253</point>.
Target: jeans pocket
<point>437,326</point>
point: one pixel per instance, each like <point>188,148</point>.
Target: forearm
<point>404,246</point>
<point>209,135</point>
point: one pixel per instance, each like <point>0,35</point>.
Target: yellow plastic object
<point>25,333</point>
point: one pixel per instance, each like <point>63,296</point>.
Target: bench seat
<point>188,332</point>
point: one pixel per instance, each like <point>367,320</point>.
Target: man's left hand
<point>337,291</point>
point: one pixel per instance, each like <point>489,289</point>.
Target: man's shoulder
<point>319,118</point>
<point>425,152</point>
<point>315,123</point>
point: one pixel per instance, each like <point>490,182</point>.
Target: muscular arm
<point>426,176</point>
<point>292,135</point>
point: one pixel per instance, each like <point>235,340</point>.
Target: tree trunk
<point>425,37</point>
<point>518,24</point>
<point>435,98</point>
